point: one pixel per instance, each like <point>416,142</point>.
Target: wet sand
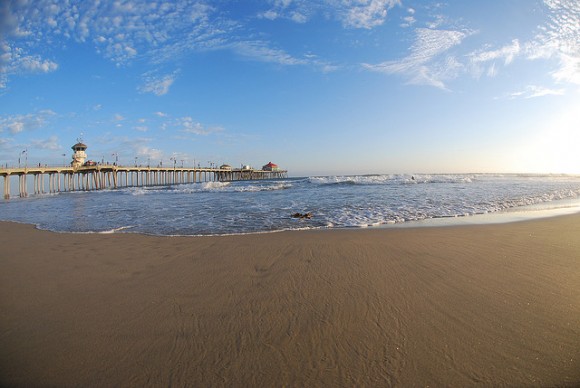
<point>491,305</point>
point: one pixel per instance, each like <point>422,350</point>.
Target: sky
<point>320,87</point>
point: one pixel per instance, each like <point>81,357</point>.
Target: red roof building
<point>270,167</point>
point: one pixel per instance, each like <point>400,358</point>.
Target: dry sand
<point>493,305</point>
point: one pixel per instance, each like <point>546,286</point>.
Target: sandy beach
<point>490,305</point>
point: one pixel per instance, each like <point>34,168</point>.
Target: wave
<point>212,186</point>
<point>257,188</point>
<point>115,230</point>
<point>395,179</point>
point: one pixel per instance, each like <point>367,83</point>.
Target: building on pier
<point>270,167</point>
<point>79,156</point>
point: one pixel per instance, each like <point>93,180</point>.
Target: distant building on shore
<point>226,167</point>
<point>270,167</point>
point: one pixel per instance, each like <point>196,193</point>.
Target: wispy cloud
<point>153,32</point>
<point>429,62</point>
<point>148,154</point>
<point>408,20</point>
<point>432,62</point>
<point>560,39</point>
<point>135,150</point>
<point>190,126</point>
<point>47,144</point>
<point>157,84</point>
<point>20,123</point>
<point>299,11</point>
<point>14,60</point>
<point>484,60</point>
<point>121,31</point>
<point>365,14</point>
<point>533,91</point>
<point>260,51</point>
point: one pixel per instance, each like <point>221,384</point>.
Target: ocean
<point>220,208</point>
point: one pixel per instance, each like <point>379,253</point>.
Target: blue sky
<point>317,86</point>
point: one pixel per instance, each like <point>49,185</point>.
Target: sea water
<point>218,208</point>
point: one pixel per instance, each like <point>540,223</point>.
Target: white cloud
<point>507,53</point>
<point>157,32</point>
<point>480,60</point>
<point>260,51</point>
<point>270,15</point>
<point>427,64</point>
<point>533,91</point>
<point>157,84</point>
<point>299,11</point>
<point>121,31</point>
<point>161,114</point>
<point>48,144</point>
<point>188,125</point>
<point>145,152</point>
<point>19,123</point>
<point>408,21</point>
<point>141,128</point>
<point>559,39</point>
<point>118,117</point>
<point>17,61</point>
<point>366,13</point>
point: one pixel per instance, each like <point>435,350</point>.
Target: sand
<point>490,305</point>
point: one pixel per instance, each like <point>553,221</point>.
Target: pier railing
<point>57,179</point>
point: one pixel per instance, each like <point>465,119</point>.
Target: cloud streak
<point>428,62</point>
<point>155,32</point>
<point>432,62</point>
<point>365,14</point>
<point>157,84</point>
<point>15,124</point>
<point>188,125</point>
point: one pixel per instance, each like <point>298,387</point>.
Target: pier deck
<point>85,178</point>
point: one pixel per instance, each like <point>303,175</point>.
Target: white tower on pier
<point>79,156</point>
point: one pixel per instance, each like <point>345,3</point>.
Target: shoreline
<point>511,215</point>
<point>461,305</point>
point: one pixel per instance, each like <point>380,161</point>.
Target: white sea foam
<point>115,230</point>
<point>218,208</point>
<point>396,179</point>
<point>209,186</point>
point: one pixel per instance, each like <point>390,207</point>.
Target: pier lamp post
<point>64,159</point>
<point>181,163</point>
<point>148,162</point>
<point>136,157</point>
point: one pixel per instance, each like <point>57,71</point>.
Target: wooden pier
<point>86,178</point>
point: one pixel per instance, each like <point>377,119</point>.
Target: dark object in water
<point>302,215</point>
